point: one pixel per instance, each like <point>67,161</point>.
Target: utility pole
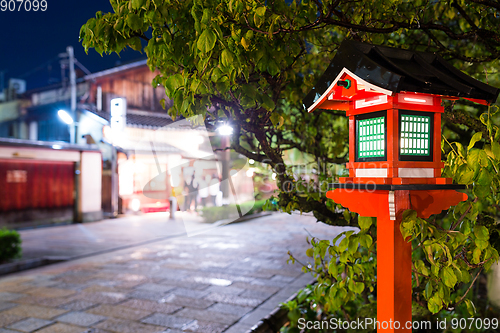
<point>2,80</point>
<point>72,83</point>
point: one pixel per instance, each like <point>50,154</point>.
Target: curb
<point>242,219</point>
<point>273,322</point>
<point>27,264</point>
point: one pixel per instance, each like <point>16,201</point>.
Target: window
<point>371,138</point>
<point>415,136</point>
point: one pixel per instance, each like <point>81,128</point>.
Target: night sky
<point>31,41</point>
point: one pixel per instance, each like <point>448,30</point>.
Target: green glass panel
<point>415,135</point>
<point>371,137</point>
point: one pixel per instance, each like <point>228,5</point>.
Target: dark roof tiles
<point>401,70</point>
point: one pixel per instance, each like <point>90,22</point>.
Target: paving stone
<point>201,315</point>
<point>71,286</point>
<point>268,282</point>
<point>49,292</point>
<point>96,330</point>
<point>154,287</point>
<point>289,271</point>
<point>205,327</point>
<point>124,326</point>
<point>63,328</point>
<point>172,274</point>
<point>143,294</point>
<point>187,301</point>
<point>256,294</point>
<point>131,277</point>
<point>170,330</point>
<point>6,305</point>
<point>6,296</point>
<point>119,312</point>
<point>254,317</point>
<point>102,297</point>
<point>10,288</point>
<point>151,306</point>
<point>238,328</point>
<point>236,300</point>
<point>282,278</point>
<point>4,330</point>
<point>34,311</point>
<point>43,301</point>
<point>7,319</point>
<point>80,318</point>
<point>184,284</point>
<point>30,324</point>
<point>170,321</point>
<point>230,308</point>
<point>101,289</point>
<point>190,292</point>
<point>229,290</point>
<point>245,285</point>
<point>78,305</point>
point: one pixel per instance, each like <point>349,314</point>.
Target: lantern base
<point>370,200</point>
<point>392,187</point>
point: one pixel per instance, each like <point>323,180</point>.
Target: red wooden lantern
<point>393,100</point>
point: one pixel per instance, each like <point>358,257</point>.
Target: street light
<point>65,117</point>
<point>225,130</point>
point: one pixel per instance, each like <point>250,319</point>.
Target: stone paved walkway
<point>223,280</point>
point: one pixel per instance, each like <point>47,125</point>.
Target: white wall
<point>494,285</point>
<point>91,171</point>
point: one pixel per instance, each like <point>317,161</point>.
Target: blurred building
<point>144,157</point>
<point>119,117</point>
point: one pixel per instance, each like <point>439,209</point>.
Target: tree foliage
<point>253,61</point>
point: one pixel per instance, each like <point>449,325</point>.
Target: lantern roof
<point>391,70</point>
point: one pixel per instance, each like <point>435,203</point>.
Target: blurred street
<point>222,280</point>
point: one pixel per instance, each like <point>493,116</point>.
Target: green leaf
<point>245,43</point>
<point>134,21</point>
<point>473,158</point>
<point>359,287</point>
<point>481,232</point>
<point>136,4</point>
<point>272,67</point>
<point>449,277</point>
<point>464,174</point>
<point>434,304</point>
<point>470,307</point>
<point>333,268</point>
<point>261,11</point>
<point>258,17</point>
<point>268,103</point>
<point>495,147</point>
<point>365,222</point>
<point>207,40</point>
<point>135,43</point>
<point>366,240</point>
<point>428,290</point>
<point>476,255</point>
<point>172,83</point>
<point>485,177</point>
<point>353,245</point>
<point>227,58</point>
<point>277,119</point>
<point>343,244</point>
<point>421,268</point>
<point>475,138</point>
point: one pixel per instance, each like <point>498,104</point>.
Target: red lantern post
<point>393,100</point>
